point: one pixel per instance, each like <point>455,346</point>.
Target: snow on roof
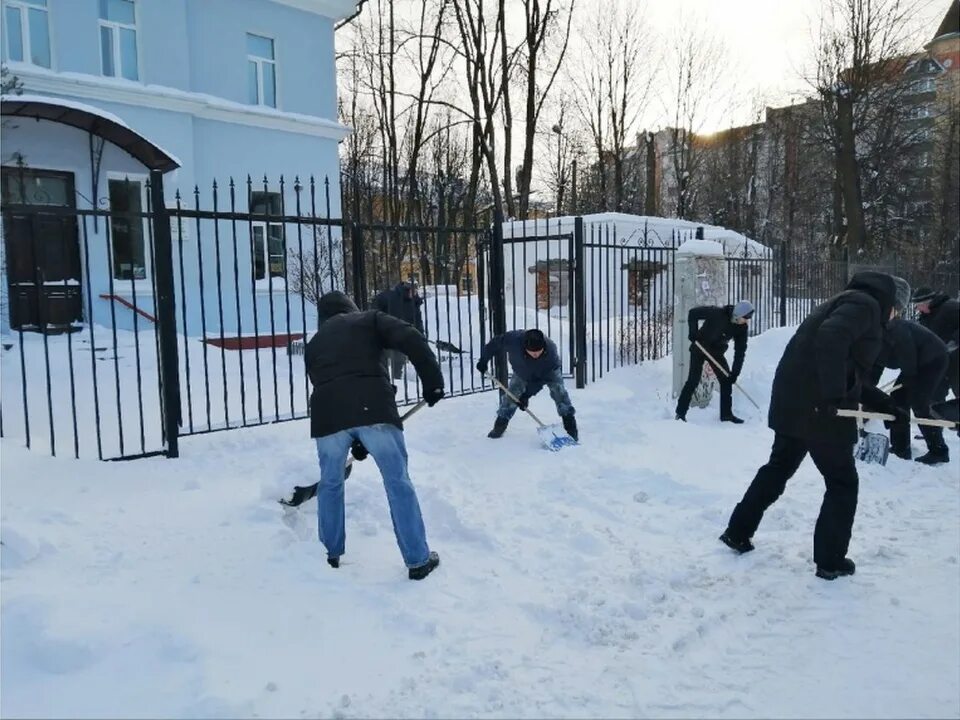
<point>638,231</point>
<point>189,101</point>
<point>90,109</point>
<point>700,247</point>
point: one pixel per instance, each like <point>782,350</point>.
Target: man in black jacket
<point>720,324</point>
<point>822,369</point>
<point>921,358</point>
<point>941,315</point>
<point>402,302</point>
<point>353,401</point>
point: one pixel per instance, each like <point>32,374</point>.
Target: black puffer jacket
<point>909,347</point>
<point>401,302</point>
<point>828,360</point>
<point>943,319</point>
<point>350,384</point>
<point>716,332</point>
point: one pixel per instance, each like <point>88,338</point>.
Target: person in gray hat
<point>720,325</point>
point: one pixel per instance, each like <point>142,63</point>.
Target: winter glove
<point>482,367</point>
<point>433,396</point>
<point>828,408</point>
<point>358,451</point>
<point>523,401</point>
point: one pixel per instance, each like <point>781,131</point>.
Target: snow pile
<point>588,582</point>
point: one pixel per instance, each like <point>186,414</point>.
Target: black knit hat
<point>923,294</point>
<point>534,340</point>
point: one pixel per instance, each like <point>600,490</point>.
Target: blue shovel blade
<point>555,438</point>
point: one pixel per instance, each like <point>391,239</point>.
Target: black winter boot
<point>847,567</point>
<point>570,425</point>
<point>682,418</point>
<point>739,546</point>
<point>730,417</point>
<point>499,428</point>
<point>333,561</point>
<point>935,456</point>
<point>419,573</point>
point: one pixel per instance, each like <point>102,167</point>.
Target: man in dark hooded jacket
<point>353,401</point>
<point>921,358</point>
<point>720,325</point>
<point>402,302</point>
<point>823,368</point>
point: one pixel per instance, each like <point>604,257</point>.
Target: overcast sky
<point>769,41</point>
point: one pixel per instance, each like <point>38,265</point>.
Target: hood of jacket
<point>335,303</point>
<point>880,287</point>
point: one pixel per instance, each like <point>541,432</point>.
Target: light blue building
<point>204,90</point>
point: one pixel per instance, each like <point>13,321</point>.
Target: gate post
<point>166,307</point>
<point>359,266</point>
<point>497,295</point>
<point>580,305</point>
<point>783,284</point>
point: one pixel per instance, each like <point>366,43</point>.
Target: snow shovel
<point>719,367</point>
<point>447,346</point>
<point>302,493</point>
<point>553,437</point>
<point>872,447</point>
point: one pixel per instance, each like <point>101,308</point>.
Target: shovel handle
<point>864,415</point>
<point>409,413</point>
<point>725,373</point>
<point>515,399</point>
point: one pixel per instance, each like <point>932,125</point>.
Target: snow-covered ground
<point>586,583</point>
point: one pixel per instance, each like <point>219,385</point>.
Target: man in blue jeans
<point>352,409</point>
<point>535,363</point>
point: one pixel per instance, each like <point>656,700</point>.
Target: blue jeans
<point>518,386</point>
<point>387,448</point>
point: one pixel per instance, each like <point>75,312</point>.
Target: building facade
<point>225,90</point>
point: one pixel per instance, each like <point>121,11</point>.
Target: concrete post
<point>700,278</point>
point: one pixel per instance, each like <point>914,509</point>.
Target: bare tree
<point>860,62</point>
<point>695,67</point>
<point>613,83</point>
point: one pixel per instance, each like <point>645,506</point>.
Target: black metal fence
<point>138,324</point>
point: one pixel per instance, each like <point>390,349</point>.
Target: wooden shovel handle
<point>864,415</point>
<point>515,399</point>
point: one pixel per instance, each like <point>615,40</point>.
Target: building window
<point>261,71</point>
<point>466,283</point>
<point>126,229</point>
<point>923,85</point>
<point>28,31</point>
<point>118,39</point>
<point>268,246</point>
<point>919,112</point>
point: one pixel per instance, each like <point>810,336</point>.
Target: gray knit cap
<point>743,309</point>
<point>903,295</point>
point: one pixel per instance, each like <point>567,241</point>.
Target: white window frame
<point>115,28</point>
<point>144,284</point>
<point>24,9</point>
<point>260,62</point>
<point>267,282</point>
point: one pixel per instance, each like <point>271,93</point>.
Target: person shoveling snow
<point>536,364</point>
<point>353,401</point>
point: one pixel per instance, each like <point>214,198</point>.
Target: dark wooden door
<point>42,250</point>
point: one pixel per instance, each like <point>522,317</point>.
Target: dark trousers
<point>918,393</point>
<point>835,462</point>
<point>697,359</point>
<point>396,363</point>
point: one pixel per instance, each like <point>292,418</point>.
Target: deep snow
<point>588,582</point>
